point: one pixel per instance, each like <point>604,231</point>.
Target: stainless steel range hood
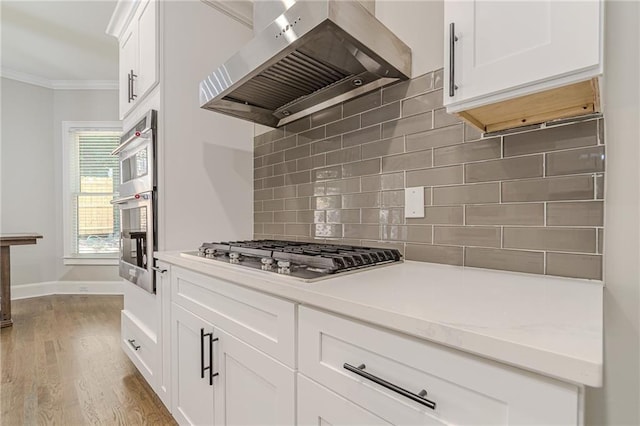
<point>315,55</point>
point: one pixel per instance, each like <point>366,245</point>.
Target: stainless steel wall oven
<point>137,202</point>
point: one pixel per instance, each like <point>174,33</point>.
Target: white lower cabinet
<point>192,389</point>
<point>235,360</point>
<point>406,381</point>
<point>218,379</point>
<point>140,345</point>
<point>317,405</point>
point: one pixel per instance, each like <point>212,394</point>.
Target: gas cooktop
<point>307,261</point>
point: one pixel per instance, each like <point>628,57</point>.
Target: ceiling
<point>58,40</point>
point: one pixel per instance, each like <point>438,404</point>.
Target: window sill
<point>95,260</point>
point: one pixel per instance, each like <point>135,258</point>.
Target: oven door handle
<point>126,143</point>
<point>125,199</point>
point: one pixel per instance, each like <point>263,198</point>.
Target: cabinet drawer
<point>139,346</point>
<point>466,389</point>
<point>317,405</point>
<point>263,321</point>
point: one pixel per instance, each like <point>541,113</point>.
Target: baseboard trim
<point>48,288</point>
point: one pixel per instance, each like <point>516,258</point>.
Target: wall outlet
<point>414,202</point>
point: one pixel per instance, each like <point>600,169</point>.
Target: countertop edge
<point>557,365</point>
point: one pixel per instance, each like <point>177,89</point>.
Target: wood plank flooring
<point>61,364</point>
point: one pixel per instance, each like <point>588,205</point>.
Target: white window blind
<point>94,176</point>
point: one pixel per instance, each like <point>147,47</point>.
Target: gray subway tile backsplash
<point>579,187</point>
<point>585,160</point>
<point>508,260</point>
<point>368,134</point>
<point>487,149</point>
<point>383,147</point>
<point>325,145</point>
<point>408,161</point>
<point>346,155</point>
<point>435,176</point>
<point>381,114</point>
<point>423,103</point>
<point>505,214</point>
<point>577,240</point>
<point>505,169</point>
<point>343,126</point>
<point>362,103</point>
<point>325,116</point>
<point>467,236</point>
<point>435,138</point>
<point>545,140</point>
<point>407,89</point>
<point>467,194</point>
<point>581,213</point>
<point>574,265</point>
<point>530,200</point>
<point>450,255</point>
<point>404,126</point>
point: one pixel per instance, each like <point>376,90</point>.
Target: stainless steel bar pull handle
<point>419,398</point>
<point>452,59</point>
<point>132,342</point>
<point>129,87</point>
<point>133,95</point>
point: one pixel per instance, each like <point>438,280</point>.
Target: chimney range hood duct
<point>315,55</point>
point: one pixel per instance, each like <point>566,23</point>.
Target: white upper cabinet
<point>138,52</point>
<point>127,62</point>
<point>147,70</point>
<point>497,51</point>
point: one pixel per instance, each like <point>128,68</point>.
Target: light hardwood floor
<point>61,363</point>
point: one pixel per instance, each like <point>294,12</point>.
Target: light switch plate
<point>414,202</point>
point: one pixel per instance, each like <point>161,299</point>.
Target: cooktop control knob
<point>267,263</point>
<point>234,257</point>
<point>284,267</point>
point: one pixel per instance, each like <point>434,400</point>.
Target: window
<point>91,179</point>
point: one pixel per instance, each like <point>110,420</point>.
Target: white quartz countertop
<point>544,324</point>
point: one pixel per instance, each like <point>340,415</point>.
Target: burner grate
<point>324,258</point>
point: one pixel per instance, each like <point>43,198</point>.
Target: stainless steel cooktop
<point>307,261</point>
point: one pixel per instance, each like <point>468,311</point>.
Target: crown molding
<point>58,84</point>
<point>240,10</point>
<point>84,84</point>
<point>25,78</point>
<point>122,15</point>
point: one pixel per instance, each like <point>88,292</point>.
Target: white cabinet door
<point>508,45</point>
<point>128,47</point>
<point>319,406</point>
<point>139,56</point>
<point>147,48</point>
<point>192,398</point>
<point>251,388</point>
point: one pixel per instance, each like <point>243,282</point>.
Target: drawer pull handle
<point>132,342</point>
<point>419,398</point>
<point>210,367</point>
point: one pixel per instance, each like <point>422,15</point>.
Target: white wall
<point>420,24</point>
<point>618,402</point>
<point>31,187</point>
<point>206,188</point>
<point>28,191</point>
